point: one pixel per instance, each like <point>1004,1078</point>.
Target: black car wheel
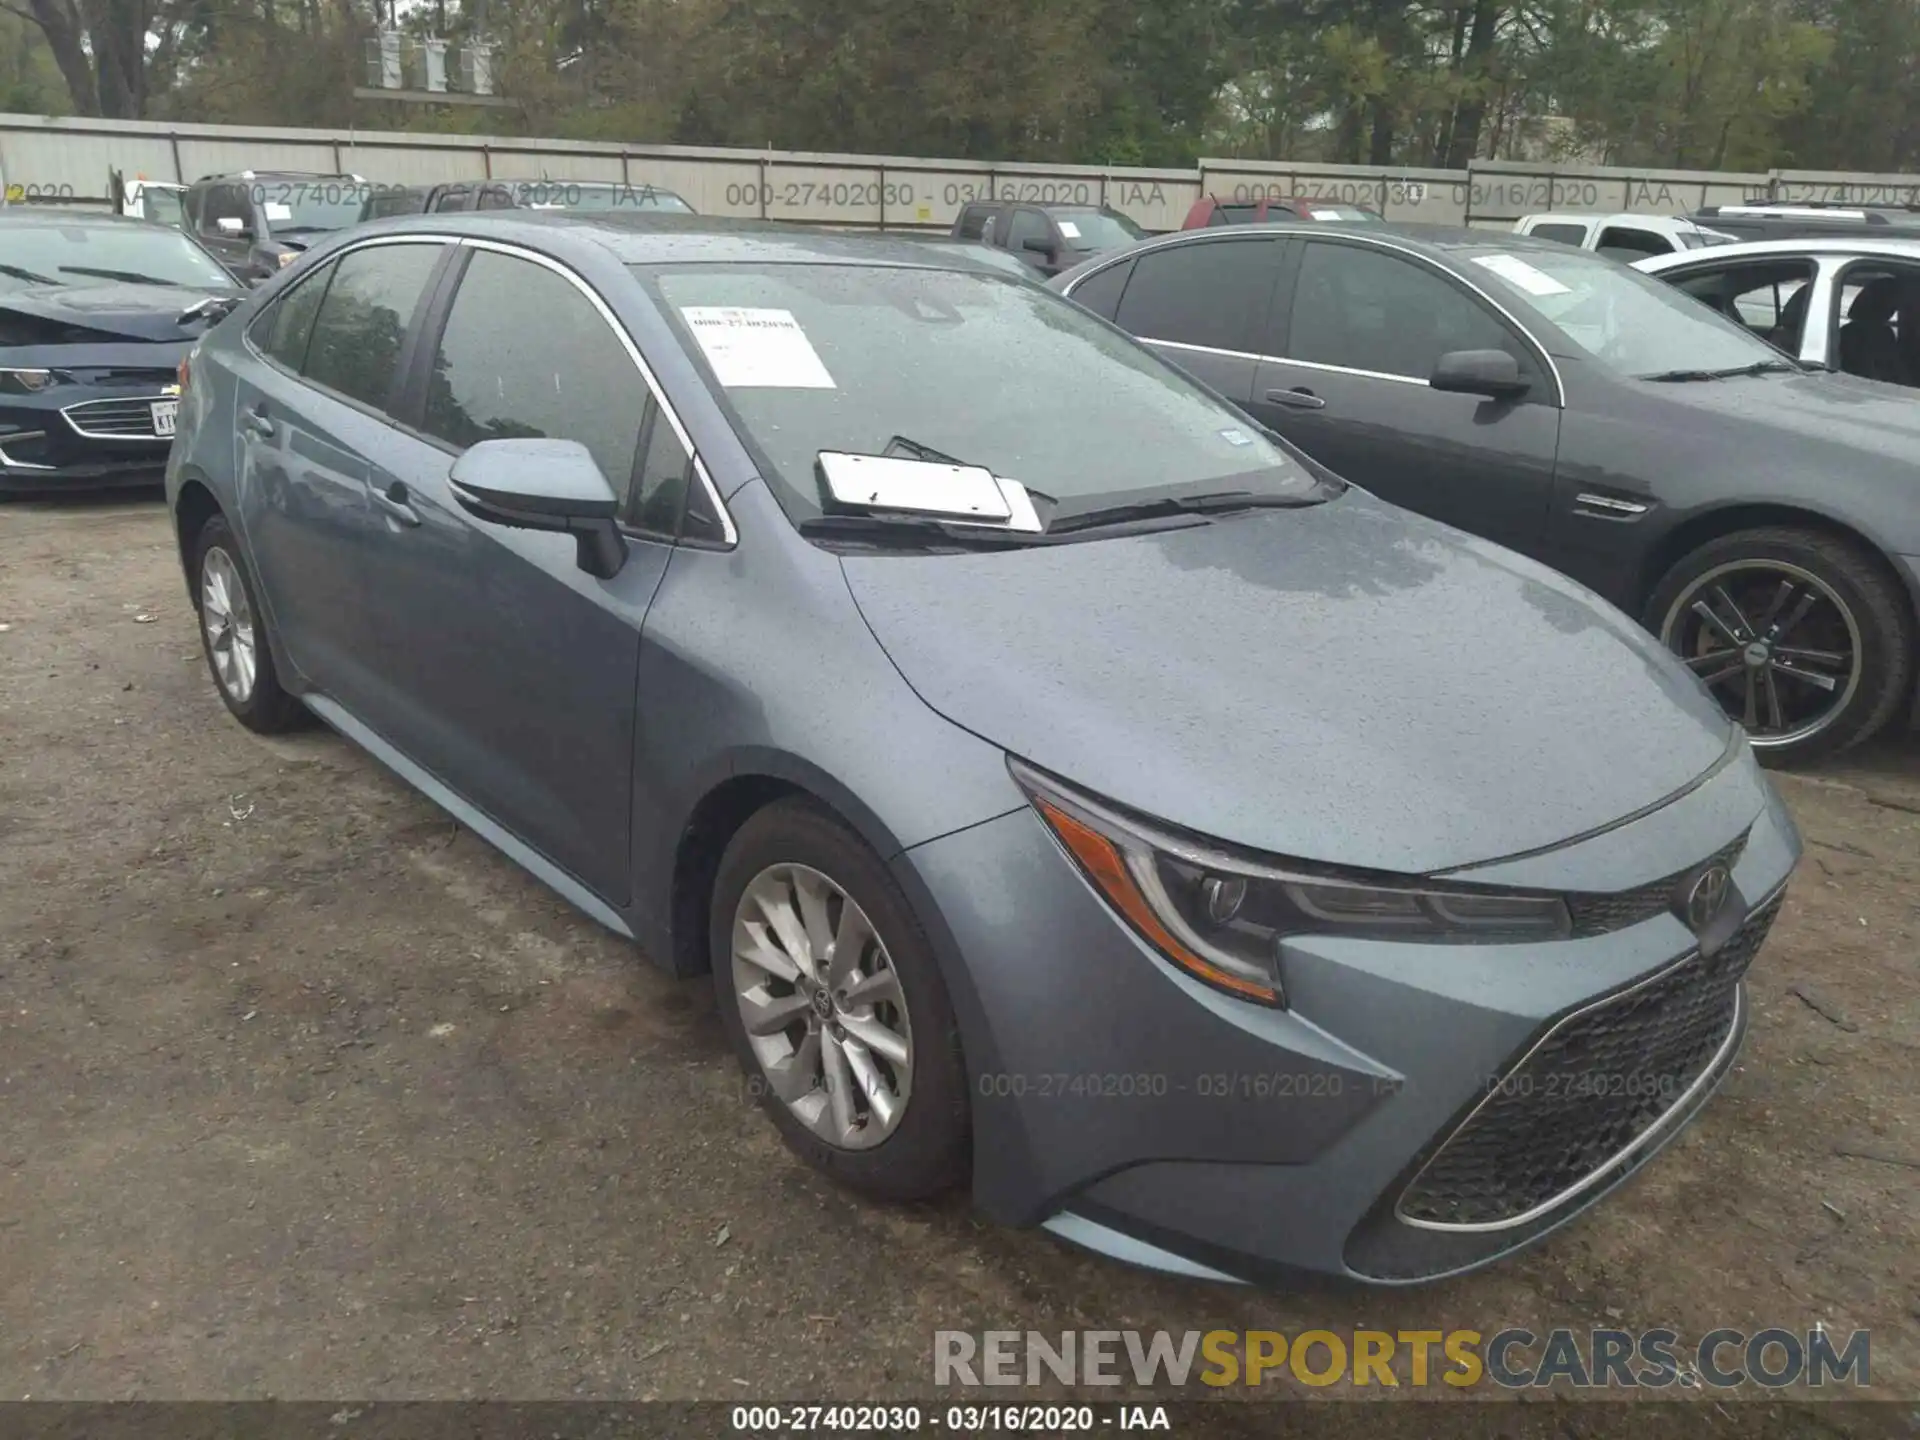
<point>830,992</point>
<point>1806,639</point>
<point>233,634</point>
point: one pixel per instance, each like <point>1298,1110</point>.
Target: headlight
<point>1222,917</point>
<point>28,382</point>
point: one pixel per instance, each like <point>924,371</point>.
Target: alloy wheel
<point>822,1007</point>
<point>1774,643</point>
<point>227,618</point>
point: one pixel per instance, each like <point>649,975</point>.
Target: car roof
<point>1907,247</point>
<point>1432,239</point>
<point>280,175</point>
<point>69,216</point>
<point>656,237</point>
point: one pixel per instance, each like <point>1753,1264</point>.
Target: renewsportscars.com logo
<point>1514,1358</point>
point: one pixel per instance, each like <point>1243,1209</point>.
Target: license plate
<point>165,412</point>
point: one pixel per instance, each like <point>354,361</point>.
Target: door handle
<point>255,421</point>
<point>1298,398</point>
<point>397,504</point>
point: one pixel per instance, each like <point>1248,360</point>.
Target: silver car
<point>1072,792</point>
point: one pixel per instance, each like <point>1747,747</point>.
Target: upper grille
<point>118,419</point>
<point>1593,1086</point>
<point>1599,914</point>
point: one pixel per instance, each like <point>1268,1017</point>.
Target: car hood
<point>58,315</point>
<point>1828,408</point>
<point>1347,683</point>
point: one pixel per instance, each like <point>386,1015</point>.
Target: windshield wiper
<point>1177,505</point>
<point>916,530</point>
<point>27,275</point>
<point>1759,367</point>
<point>131,277</point>
<point>214,307</point>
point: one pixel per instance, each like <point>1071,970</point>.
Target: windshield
<point>596,199</point>
<point>1629,321</point>
<point>1097,229</point>
<point>328,203</point>
<point>83,255</point>
<point>982,369</point>
<point>161,205</point>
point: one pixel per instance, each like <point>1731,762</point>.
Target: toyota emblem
<point>1705,897</point>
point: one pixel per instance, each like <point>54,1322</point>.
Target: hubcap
<point>822,1007</point>
<point>227,619</point>
<point>1773,642</point>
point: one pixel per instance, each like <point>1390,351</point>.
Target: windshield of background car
<point>1630,322</point>
<point>162,205</point>
<point>982,369</point>
<point>1097,230</point>
<point>326,203</point>
<point>598,199</point>
<point>116,254</point>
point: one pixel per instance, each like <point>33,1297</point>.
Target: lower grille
<point>1593,1086</point>
<point>116,419</point>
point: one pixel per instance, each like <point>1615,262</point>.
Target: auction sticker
<point>750,347</point>
<point>1515,271</point>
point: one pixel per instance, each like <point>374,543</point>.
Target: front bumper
<point>94,435</point>
<point>1130,1108</point>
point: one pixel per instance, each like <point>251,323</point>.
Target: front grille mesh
<point>1600,914</point>
<point>1593,1086</point>
<point>131,419</point>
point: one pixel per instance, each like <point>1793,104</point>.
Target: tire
<point>923,1149</point>
<point>226,604</point>
<point>1858,612</point>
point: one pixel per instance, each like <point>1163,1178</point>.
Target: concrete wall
<point>68,159</point>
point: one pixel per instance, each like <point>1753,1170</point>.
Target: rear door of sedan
<point>1201,304</point>
<point>311,428</point>
<point>504,668</point>
<point>1343,374</point>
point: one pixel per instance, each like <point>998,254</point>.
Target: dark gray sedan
<point>1760,518</point>
<point>1068,787</point>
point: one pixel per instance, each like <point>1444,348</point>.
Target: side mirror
<point>1045,249</point>
<point>552,485</point>
<point>1493,373</point>
<point>233,225</point>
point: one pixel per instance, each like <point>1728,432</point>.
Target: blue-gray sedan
<point>1071,789</point>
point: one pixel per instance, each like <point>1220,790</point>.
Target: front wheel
<point>1804,638</point>
<point>830,992</point>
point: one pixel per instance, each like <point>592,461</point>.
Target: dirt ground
<point>305,1092</point>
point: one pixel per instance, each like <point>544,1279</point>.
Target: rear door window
<point>1626,242</point>
<point>283,332</point>
<point>363,320</point>
<point>1574,235</point>
<point>1213,294</point>
<point>1100,292</point>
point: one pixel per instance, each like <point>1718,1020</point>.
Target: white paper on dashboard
<point>1516,271</point>
<point>1325,214</point>
<point>748,346</point>
<point>1069,229</point>
<point>278,212</point>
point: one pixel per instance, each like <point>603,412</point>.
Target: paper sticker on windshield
<point>1069,229</point>
<point>1515,271</point>
<point>754,347</point>
<point>278,212</point>
<point>1324,214</point>
<point>1236,437</point>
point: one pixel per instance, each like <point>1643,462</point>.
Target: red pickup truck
<point>1212,210</point>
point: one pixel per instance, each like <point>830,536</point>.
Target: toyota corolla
<point>1072,791</point>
